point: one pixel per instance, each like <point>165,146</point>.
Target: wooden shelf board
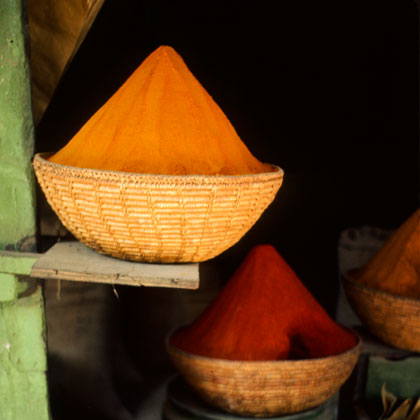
<point>76,262</point>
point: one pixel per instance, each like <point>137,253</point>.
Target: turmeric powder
<point>160,121</point>
<point>395,268</point>
<point>264,312</point>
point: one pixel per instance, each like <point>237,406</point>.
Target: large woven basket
<point>264,388</point>
<point>156,218</point>
<point>393,319</point>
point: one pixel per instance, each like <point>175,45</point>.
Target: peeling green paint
<point>8,287</point>
<point>23,388</point>
<point>22,327</point>
<point>17,204</point>
<point>17,262</point>
<point>23,384</point>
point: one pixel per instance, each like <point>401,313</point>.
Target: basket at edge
<point>156,218</point>
<point>391,318</point>
<point>264,388</point>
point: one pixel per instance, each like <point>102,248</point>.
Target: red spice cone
<point>264,312</point>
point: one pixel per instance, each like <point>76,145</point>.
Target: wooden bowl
<point>393,319</point>
<point>264,388</point>
<point>156,218</point>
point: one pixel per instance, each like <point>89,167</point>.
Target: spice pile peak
<point>264,312</point>
<point>395,268</point>
<point>161,121</point>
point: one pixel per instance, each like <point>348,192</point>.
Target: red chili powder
<point>264,312</point>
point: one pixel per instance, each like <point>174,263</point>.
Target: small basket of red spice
<point>385,292</point>
<point>264,347</point>
<point>158,173</point>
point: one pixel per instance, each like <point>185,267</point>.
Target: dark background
<point>326,90</point>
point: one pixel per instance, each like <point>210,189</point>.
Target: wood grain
<point>76,262</point>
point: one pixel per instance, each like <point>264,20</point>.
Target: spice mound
<point>161,121</point>
<point>395,268</point>
<point>264,312</point>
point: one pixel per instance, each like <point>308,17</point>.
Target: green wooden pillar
<point>23,385</point>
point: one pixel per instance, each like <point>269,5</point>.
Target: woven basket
<point>394,319</point>
<point>156,218</point>
<point>264,388</point>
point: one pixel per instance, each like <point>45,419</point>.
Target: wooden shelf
<point>76,262</point>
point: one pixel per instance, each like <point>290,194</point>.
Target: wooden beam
<point>76,262</point>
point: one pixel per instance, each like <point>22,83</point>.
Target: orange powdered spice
<point>395,268</point>
<point>161,121</point>
<point>264,312</point>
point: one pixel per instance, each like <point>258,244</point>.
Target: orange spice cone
<point>160,121</point>
<point>395,268</point>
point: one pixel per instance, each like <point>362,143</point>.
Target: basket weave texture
<point>156,218</point>
<point>264,388</point>
<point>393,319</point>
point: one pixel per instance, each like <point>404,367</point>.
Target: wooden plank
<point>76,262</point>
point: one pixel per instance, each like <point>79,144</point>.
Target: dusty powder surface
<point>395,268</point>
<point>264,312</point>
<point>161,121</point>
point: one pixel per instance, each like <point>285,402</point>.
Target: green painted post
<point>8,287</point>
<point>17,204</point>
<point>23,385</point>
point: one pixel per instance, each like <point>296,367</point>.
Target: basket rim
<point>277,172</point>
<point>346,277</point>
<point>264,363</point>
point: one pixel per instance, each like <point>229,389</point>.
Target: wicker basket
<point>264,388</point>
<point>393,319</point>
<point>156,218</point>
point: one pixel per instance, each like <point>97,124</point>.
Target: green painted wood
<point>8,287</point>
<point>23,385</point>
<point>17,262</point>
<point>17,204</point>
<point>23,388</point>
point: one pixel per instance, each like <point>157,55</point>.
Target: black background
<point>326,90</point>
